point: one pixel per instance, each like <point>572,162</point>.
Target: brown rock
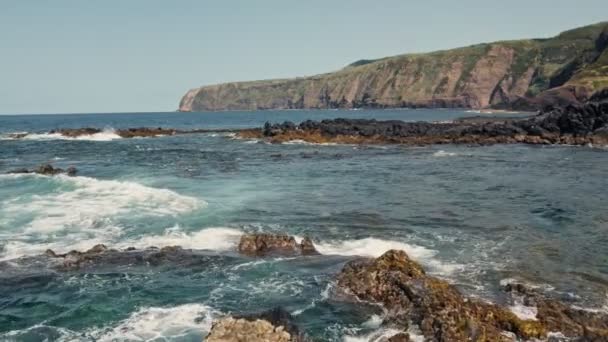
<point>242,330</point>
<point>437,307</point>
<point>557,316</point>
<point>269,326</point>
<point>400,337</point>
<point>263,244</point>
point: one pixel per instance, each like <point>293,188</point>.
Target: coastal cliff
<point>520,74</point>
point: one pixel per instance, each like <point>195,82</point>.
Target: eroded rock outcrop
<point>241,330</point>
<point>48,170</point>
<point>557,316</point>
<point>270,326</point>
<point>264,244</point>
<point>573,124</point>
<point>443,314</point>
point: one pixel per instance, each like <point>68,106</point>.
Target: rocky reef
<point>573,124</point>
<point>265,244</point>
<point>521,74</point>
<point>48,170</point>
<point>443,314</point>
<point>101,256</point>
<point>409,296</point>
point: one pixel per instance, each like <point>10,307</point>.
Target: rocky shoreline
<point>410,297</point>
<point>572,125</point>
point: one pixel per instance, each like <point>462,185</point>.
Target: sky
<point>79,56</point>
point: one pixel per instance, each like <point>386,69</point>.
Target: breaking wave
<point>79,212</point>
<point>147,324</point>
<point>107,134</point>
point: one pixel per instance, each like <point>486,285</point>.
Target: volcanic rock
<point>270,326</point>
<point>263,244</point>
<point>48,170</point>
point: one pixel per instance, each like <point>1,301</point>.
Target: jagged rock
<point>444,314</point>
<point>556,316</point>
<point>270,326</point>
<point>242,330</point>
<point>263,244</point>
<point>48,169</point>
<point>437,307</point>
<point>572,124</point>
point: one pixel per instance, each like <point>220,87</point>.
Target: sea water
<point>477,216</point>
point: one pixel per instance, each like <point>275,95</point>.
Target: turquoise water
<point>473,215</point>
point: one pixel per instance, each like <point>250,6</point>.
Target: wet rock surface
<point>443,314</point>
<point>48,170</point>
<point>265,244</point>
<point>557,316</point>
<point>125,133</point>
<point>571,124</point>
<point>100,255</point>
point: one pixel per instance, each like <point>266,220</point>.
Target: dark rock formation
<point>76,132</point>
<point>124,133</point>
<point>100,255</point>
<point>145,132</point>
<point>48,170</point>
<point>572,124</point>
<point>443,313</point>
<point>264,244</point>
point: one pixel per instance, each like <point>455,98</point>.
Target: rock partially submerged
<point>270,326</point>
<point>557,316</point>
<point>124,133</point>
<point>444,314</point>
<point>100,255</point>
<point>145,132</point>
<point>264,244</point>
<point>571,124</point>
<point>48,170</point>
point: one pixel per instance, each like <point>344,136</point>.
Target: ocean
<point>477,216</point>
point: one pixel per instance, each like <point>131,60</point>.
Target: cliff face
<point>522,74</point>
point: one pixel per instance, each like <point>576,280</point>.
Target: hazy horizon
<point>142,56</point>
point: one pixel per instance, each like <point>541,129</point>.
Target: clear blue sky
<point>66,56</point>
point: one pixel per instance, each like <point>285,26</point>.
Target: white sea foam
<point>373,322</point>
<point>107,134</point>
<point>373,247</point>
<point>91,200</point>
<point>382,334</point>
<point>524,312</point>
<point>442,153</point>
<point>303,142</point>
<point>84,213</point>
<point>192,321</point>
<point>217,239</point>
<point>151,324</point>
